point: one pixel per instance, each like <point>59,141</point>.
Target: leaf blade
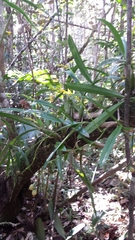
<point>89,88</point>
<point>78,59</point>
<point>108,146</point>
<point>15,7</point>
<point>116,35</point>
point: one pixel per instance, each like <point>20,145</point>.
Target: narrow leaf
<point>14,6</point>
<point>88,88</point>
<point>31,3</point>
<point>18,118</point>
<point>97,217</point>
<point>40,233</point>
<point>58,226</point>
<point>116,36</point>
<point>78,60</point>
<point>51,209</point>
<point>84,178</point>
<point>59,165</point>
<point>38,113</point>
<point>46,104</point>
<point>102,118</point>
<point>111,60</point>
<point>75,230</point>
<point>72,75</point>
<point>108,146</point>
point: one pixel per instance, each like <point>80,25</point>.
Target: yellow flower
<point>8,33</point>
<point>51,98</point>
<point>68,92</point>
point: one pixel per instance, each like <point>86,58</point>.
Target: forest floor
<point>75,219</point>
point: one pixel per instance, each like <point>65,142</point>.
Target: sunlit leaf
<point>97,217</point>
<point>124,44</point>
<point>89,88</point>
<point>75,230</point>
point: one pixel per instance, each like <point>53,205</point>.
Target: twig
<point>9,223</point>
<point>31,41</point>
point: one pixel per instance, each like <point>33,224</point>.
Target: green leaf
<point>124,44</point>
<point>58,226</point>
<point>111,60</point>
<point>58,147</point>
<point>116,36</point>
<point>97,217</point>
<point>5,154</point>
<point>15,7</point>
<point>51,209</point>
<point>84,178</point>
<point>78,60</point>
<point>59,165</point>
<point>61,143</point>
<point>75,230</point>
<point>21,156</point>
<point>83,131</point>
<point>31,4</point>
<point>102,118</point>
<point>17,118</point>
<point>40,233</point>
<point>37,113</point>
<point>108,146</point>
<point>72,75</point>
<point>46,104</point>
<point>88,88</point>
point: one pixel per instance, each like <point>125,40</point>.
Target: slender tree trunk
<point>126,117</point>
<point>2,70</point>
<point>3,99</point>
<point>4,103</point>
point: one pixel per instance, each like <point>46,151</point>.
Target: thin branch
<point>37,34</point>
<point>31,41</point>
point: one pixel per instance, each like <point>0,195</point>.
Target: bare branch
<point>31,41</point>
